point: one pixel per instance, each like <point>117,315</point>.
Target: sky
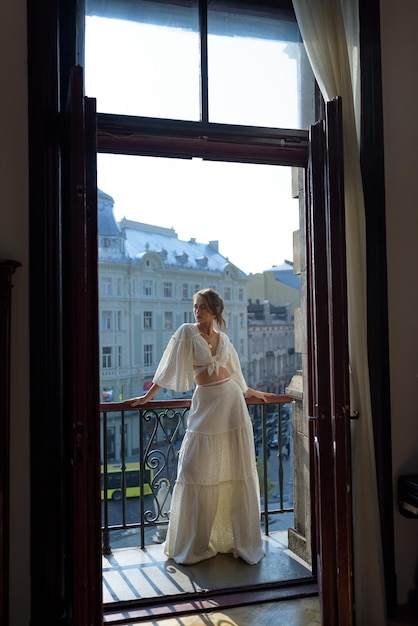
<point>248,208</point>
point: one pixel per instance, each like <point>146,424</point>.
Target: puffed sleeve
<point>175,369</point>
<point>234,367</point>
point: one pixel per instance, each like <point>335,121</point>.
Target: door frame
<point>328,369</point>
<point>54,46</point>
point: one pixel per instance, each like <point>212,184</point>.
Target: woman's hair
<point>215,304</point>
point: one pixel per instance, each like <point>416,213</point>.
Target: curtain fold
<point>330,32</point>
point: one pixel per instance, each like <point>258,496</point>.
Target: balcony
<point>141,446</point>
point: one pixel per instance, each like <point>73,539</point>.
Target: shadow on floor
<point>133,574</point>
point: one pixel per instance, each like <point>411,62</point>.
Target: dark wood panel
<point>7,268</point>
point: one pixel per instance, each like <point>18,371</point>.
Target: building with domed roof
<point>147,278</point>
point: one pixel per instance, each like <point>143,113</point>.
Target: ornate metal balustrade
<point>139,450</point>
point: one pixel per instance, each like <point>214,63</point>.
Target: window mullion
<point>203,31</point>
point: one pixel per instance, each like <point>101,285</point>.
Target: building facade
<point>273,301</point>
<point>147,278</point>
<point>271,347</point>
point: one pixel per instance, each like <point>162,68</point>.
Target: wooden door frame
<point>328,370</point>
<point>81,373</point>
<point>373,176</point>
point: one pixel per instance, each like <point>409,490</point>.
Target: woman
<point>215,505</point>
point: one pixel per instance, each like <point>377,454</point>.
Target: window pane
<point>256,66</point>
<point>106,320</point>
<point>143,58</point>
<point>168,320</point>
<point>147,288</point>
<point>240,216</point>
<point>147,319</point>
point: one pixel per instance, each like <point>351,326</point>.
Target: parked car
<point>273,442</point>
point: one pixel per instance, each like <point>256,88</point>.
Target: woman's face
<point>201,310</point>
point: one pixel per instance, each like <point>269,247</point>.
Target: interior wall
<point>400,106</point>
<point>14,245</point>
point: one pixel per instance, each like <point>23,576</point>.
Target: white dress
<point>215,505</point>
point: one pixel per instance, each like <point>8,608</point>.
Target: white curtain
<point>330,32</point>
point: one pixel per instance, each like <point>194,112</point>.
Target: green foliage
<point>260,472</point>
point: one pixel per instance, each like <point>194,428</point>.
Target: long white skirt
<point>215,505</point>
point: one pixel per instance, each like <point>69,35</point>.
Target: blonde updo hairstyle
<point>214,303</point>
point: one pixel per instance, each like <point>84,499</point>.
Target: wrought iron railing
<point>139,463</point>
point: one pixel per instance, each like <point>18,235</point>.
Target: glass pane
<point>143,59</point>
<point>179,225</point>
<point>258,71</point>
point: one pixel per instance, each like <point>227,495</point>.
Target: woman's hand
<point>145,398</point>
<point>261,395</point>
<point>137,401</point>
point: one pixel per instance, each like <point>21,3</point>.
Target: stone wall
<point>299,537</point>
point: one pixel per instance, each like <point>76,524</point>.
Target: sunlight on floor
<point>133,573</point>
<point>303,612</point>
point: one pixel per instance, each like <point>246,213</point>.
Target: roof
<point>284,274</point>
<point>140,239</point>
<point>106,221</point>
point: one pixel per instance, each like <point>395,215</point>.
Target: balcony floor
<point>132,573</point>
<point>296,612</point>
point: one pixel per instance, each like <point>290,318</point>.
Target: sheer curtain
<point>330,32</point>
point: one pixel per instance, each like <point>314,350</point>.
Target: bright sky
<point>247,208</point>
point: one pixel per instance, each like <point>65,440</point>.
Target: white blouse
<point>186,349</point>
